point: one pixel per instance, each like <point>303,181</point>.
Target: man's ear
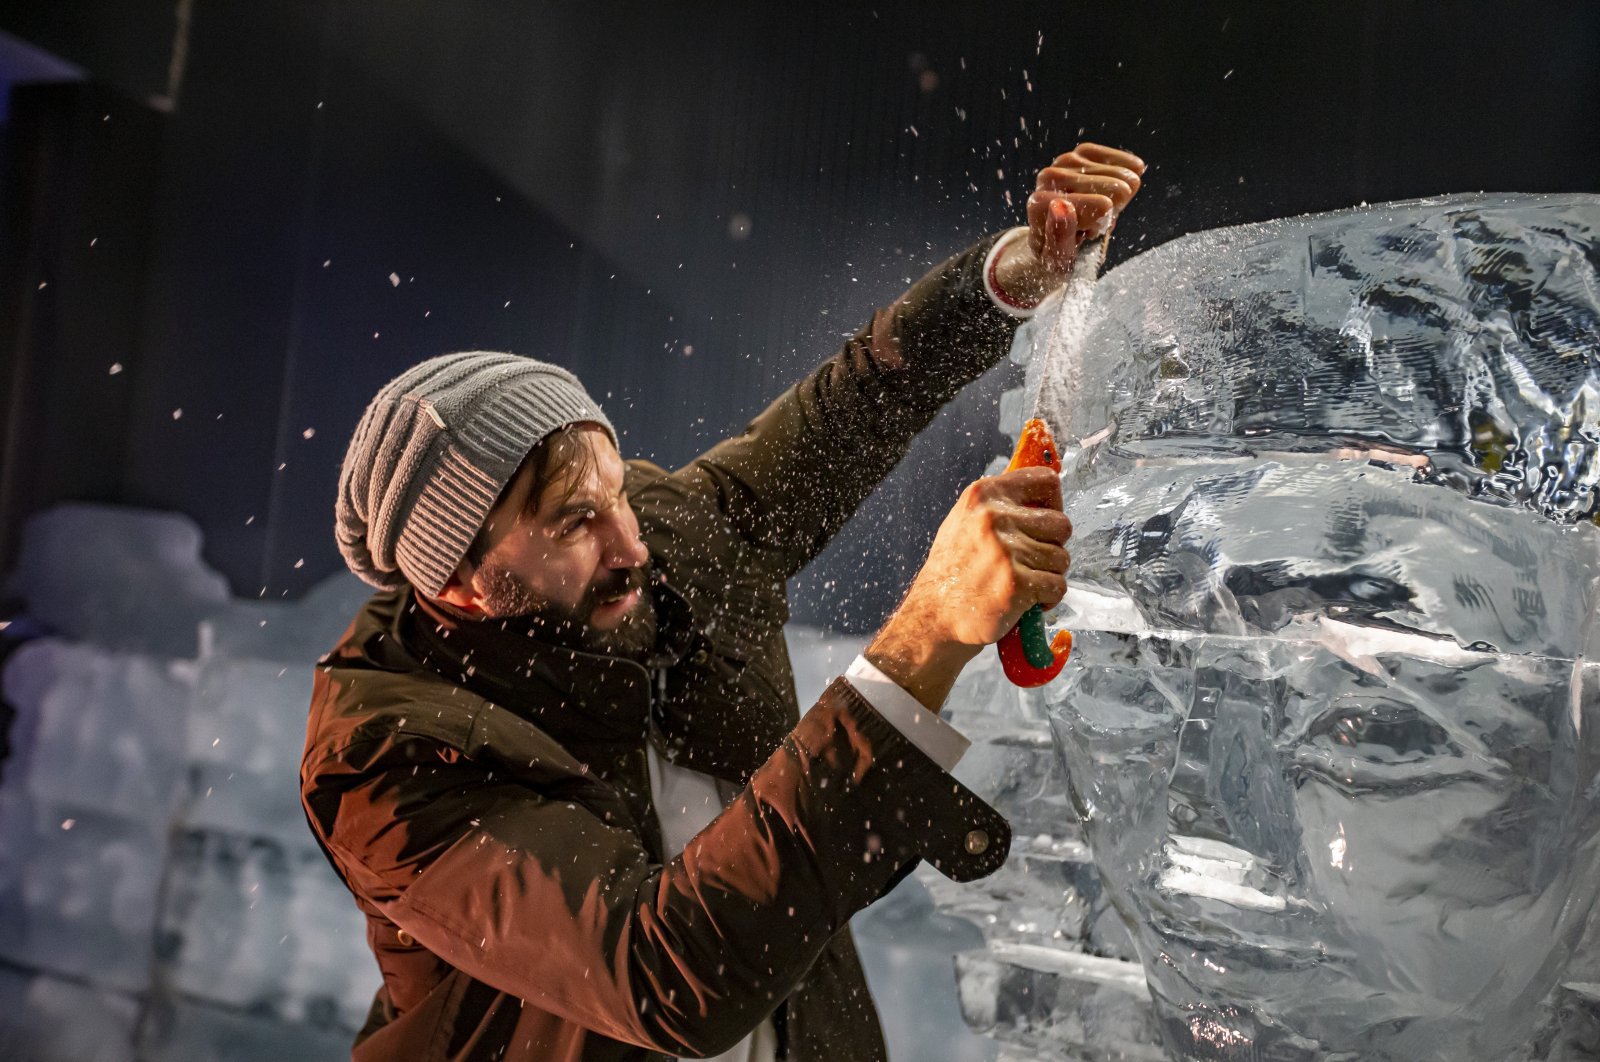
<point>458,591</point>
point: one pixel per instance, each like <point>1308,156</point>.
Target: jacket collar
<point>576,697</point>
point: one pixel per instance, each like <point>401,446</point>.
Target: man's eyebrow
<point>582,504</point>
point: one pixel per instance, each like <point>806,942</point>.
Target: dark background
<point>261,212</point>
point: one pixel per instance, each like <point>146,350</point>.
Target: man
<point>558,759</point>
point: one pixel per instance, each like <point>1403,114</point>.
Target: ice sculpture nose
<point>1227,784</point>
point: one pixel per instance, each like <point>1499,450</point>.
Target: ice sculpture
<point>1330,721</point>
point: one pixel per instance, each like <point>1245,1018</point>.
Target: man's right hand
<point>1000,551</point>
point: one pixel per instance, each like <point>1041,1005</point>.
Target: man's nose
<point>625,549</point>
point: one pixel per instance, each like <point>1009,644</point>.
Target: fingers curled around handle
<point>1039,556</point>
<point>1050,526</point>
<point>1089,153</point>
<point>1045,588</point>
<point>1117,185</point>
<point>1036,485</point>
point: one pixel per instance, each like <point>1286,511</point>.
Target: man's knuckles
<point>1030,478</point>
<point>1073,163</point>
<point>1054,559</point>
<point>1112,186</point>
<point>1090,152</point>
<point>1049,526</point>
<point>1035,587</point>
<point>982,491</point>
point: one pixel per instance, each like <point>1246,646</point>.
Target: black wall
<point>80,174</point>
<point>689,204</point>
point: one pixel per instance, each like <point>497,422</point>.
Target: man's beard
<point>505,595</point>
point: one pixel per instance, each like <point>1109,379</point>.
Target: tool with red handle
<point>1028,657</point>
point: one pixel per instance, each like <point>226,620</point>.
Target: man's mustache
<point>619,583</point>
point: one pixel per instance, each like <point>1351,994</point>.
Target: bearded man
<point>558,759</point>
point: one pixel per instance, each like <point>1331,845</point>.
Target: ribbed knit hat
<point>432,453</point>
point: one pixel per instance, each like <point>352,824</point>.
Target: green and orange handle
<point>1027,655</point>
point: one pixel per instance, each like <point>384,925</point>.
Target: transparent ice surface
<point>1330,718</point>
<point>1049,976</point>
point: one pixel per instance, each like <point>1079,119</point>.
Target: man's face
<point>570,557</point>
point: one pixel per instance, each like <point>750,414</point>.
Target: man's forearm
<point>923,666</point>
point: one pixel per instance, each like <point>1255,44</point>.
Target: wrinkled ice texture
<point>1329,720</point>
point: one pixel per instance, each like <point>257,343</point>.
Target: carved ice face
<point>1337,832</point>
<point>1327,715</point>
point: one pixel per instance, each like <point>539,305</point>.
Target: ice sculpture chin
<point>1330,721</point>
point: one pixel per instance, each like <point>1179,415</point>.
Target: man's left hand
<point>1077,198</point>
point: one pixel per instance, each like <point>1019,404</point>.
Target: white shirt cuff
<point>1004,302</point>
<point>941,742</point>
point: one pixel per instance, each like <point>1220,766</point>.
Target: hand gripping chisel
<point>1028,658</point>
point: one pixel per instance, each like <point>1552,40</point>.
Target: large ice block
<point>48,1019</point>
<point>154,860</point>
<point>1330,719</point>
<point>254,925</point>
<point>1053,977</point>
<point>118,577</point>
<point>98,728</point>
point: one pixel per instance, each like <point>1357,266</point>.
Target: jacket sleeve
<point>539,897</point>
<point>803,466</point>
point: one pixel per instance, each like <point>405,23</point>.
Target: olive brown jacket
<point>485,795</point>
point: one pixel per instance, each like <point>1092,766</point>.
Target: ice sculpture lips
<point>1028,659</point>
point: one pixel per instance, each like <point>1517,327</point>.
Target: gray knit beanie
<point>432,453</point>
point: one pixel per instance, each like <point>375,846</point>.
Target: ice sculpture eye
<point>1381,731</point>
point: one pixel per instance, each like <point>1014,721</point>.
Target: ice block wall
<point>1328,730</point>
<point>160,895</point>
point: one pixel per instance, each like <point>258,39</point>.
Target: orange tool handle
<point>1024,654</point>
